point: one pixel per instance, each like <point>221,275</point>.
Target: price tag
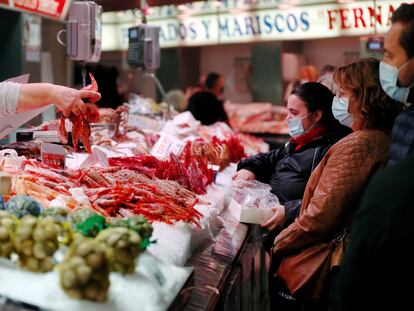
<point>167,144</point>
<point>53,155</point>
<point>215,169</point>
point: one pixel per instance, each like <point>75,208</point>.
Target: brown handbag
<point>305,273</point>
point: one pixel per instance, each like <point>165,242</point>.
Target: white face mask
<point>340,111</point>
<point>296,127</point>
<point>389,79</point>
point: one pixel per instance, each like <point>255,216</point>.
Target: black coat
<point>378,268</point>
<point>402,145</point>
<point>206,108</point>
<point>287,171</point>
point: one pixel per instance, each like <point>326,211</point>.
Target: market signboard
<point>56,9</point>
<point>294,23</point>
<point>213,6</point>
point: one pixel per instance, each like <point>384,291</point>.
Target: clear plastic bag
<point>254,194</point>
<point>254,200</point>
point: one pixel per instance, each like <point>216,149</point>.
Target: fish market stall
<point>144,203</point>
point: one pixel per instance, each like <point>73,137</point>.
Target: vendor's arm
<point>9,98</point>
<point>36,95</point>
<point>261,165</point>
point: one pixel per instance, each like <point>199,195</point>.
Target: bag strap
<point>339,238</point>
<point>314,158</point>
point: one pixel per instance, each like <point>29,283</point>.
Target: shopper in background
<point>16,97</point>
<point>177,99</point>
<point>308,73</point>
<point>313,131</point>
<point>327,77</point>
<point>334,189</point>
<point>106,77</point>
<point>122,88</point>
<point>378,266</point>
<point>327,70</point>
<point>206,106</point>
<point>397,78</point>
<point>200,87</point>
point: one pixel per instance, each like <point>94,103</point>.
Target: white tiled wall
<point>329,51</point>
<point>317,52</point>
<point>221,60</point>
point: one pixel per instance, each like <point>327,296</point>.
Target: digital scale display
<point>133,33</point>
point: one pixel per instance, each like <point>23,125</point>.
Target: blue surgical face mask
<point>340,111</point>
<point>389,79</point>
<point>296,127</point>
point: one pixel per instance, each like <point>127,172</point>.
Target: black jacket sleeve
<point>262,165</point>
<point>402,145</point>
<point>292,209</point>
<point>380,256</point>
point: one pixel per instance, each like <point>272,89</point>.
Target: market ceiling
<point>118,5</point>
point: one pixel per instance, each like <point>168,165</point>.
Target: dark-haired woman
<point>334,189</point>
<point>313,131</point>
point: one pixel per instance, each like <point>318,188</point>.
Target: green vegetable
<point>91,226</point>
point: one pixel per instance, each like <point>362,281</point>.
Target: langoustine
<point>81,130</point>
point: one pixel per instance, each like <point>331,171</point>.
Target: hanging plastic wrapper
<point>10,161</point>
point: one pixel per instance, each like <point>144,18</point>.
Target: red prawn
<point>81,130</point>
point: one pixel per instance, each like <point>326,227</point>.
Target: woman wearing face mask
<point>313,131</point>
<point>334,189</point>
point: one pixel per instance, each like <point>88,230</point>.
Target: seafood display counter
<point>229,273</point>
<point>125,218</point>
<point>223,268</point>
